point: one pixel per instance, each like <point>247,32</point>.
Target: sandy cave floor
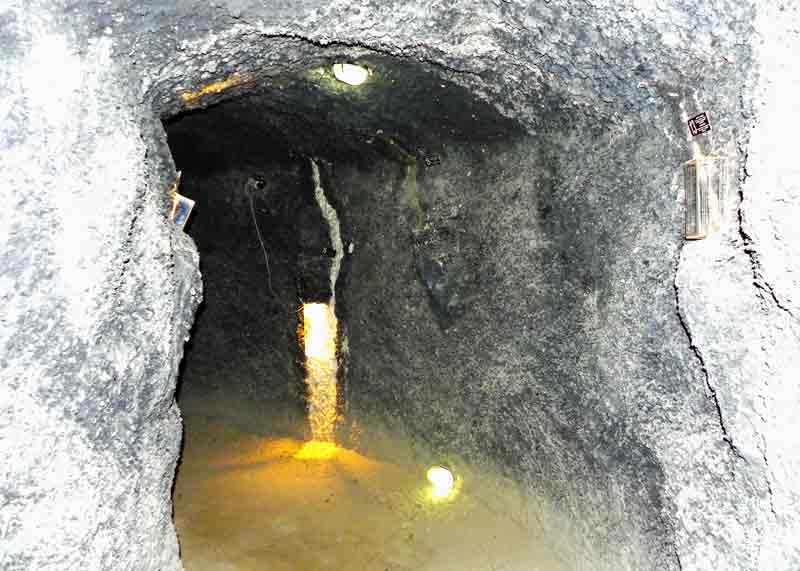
<point>245,499</point>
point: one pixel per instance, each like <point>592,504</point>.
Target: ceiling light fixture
<point>442,482</point>
<point>350,73</point>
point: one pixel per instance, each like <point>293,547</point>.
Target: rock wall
<point>245,337</point>
<point>737,297</point>
<point>520,309</point>
<point>620,380</point>
<point>98,293</point>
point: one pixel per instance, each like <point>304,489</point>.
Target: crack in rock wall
<point>741,309</point>
<point>334,231</point>
<point>98,289</point>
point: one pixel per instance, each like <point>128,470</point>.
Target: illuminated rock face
<point>521,297</point>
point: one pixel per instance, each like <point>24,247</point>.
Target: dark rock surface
<point>528,300</point>
<point>531,363</point>
<point>245,335</point>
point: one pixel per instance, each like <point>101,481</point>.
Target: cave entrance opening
<point>273,473</point>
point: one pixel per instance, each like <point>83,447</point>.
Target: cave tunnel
<point>407,162</point>
<point>479,286</point>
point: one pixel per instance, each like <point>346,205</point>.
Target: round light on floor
<point>442,481</point>
<point>350,73</point>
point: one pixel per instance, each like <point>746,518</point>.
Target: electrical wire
<point>261,241</point>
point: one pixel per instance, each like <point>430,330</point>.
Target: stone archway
<point>588,392</point>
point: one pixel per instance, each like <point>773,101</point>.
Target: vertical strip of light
<point>319,333</point>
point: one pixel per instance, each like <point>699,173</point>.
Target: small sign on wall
<point>181,209</point>
<point>181,205</point>
<point>699,124</point>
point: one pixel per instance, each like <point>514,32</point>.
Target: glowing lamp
<point>350,73</point>
<point>442,481</point>
<point>319,336</point>
<point>319,331</point>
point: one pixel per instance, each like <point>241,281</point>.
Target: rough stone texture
<point>738,295</point>
<point>566,372</point>
<point>646,394</point>
<point>245,336</point>
<point>98,293</point>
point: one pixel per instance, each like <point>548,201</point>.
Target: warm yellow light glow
<point>316,450</point>
<point>216,87</point>
<point>350,74</point>
<point>319,337</point>
<point>442,482</point>
<point>319,331</point>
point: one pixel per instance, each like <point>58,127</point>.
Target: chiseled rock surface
<point>739,297</point>
<point>569,345</point>
<point>98,292</point>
